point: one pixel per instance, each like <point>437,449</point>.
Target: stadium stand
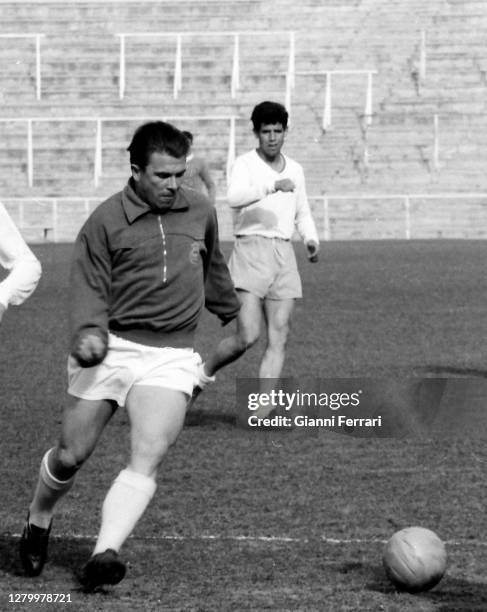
<point>387,103</point>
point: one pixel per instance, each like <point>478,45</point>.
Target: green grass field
<point>246,520</point>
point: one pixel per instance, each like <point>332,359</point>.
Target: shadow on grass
<point>205,418</point>
<point>450,595</point>
<point>68,553</point>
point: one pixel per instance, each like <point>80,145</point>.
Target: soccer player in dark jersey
<point>145,264</point>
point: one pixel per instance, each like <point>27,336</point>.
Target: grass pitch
<point>247,520</point>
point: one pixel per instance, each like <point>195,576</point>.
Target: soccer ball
<point>414,559</point>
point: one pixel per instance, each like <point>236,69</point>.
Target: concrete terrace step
<point>471,15</point>
<point>23,106</point>
<point>147,16</point>
<point>81,15</point>
<point>457,84</point>
<point>149,46</point>
<point>135,104</point>
<point>455,42</point>
<point>433,106</point>
<point>395,140</point>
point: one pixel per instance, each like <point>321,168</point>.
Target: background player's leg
<point>83,422</point>
<point>249,322</point>
<point>278,315</point>
<point>156,418</point>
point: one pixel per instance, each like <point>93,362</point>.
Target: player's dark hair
<point>269,113</point>
<point>156,136</point>
<point>188,135</point>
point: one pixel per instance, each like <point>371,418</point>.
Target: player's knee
<point>278,336</point>
<point>66,461</point>
<point>247,338</point>
<point>154,448</point>
<point>147,457</point>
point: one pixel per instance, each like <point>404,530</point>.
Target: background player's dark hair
<point>188,135</point>
<point>269,112</point>
<point>156,136</point>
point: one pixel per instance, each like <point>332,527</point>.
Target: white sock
<point>48,491</point>
<point>124,504</point>
<point>203,378</point>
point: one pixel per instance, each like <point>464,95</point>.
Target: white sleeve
<point>245,187</point>
<point>16,257</point>
<point>304,220</point>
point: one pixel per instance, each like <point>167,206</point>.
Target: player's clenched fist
<point>284,185</point>
<point>90,348</point>
<point>312,248</point>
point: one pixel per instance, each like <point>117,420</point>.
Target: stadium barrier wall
<point>338,216</point>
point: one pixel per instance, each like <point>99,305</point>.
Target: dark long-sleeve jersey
<point>146,276</point>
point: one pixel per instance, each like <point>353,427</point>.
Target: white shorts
<point>129,363</point>
<point>265,267</point>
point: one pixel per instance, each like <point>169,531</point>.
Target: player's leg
<point>82,423</point>
<point>156,418</point>
<point>278,315</point>
<point>278,307</point>
<point>229,349</point>
<point>252,274</point>
<point>247,333</point>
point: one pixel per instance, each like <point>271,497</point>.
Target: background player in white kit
<point>268,196</point>
<point>23,266</point>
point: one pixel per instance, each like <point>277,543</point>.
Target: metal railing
<point>178,54</point>
<point>405,198</point>
<point>235,81</point>
<point>235,73</point>
<point>98,144</point>
<point>327,107</point>
<point>37,40</point>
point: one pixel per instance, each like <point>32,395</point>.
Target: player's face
<point>271,138</point>
<point>158,183</point>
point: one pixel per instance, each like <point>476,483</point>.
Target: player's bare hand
<point>2,310</point>
<point>284,185</point>
<point>90,349</point>
<point>312,248</point>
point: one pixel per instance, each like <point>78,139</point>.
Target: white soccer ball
<point>414,559</point>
